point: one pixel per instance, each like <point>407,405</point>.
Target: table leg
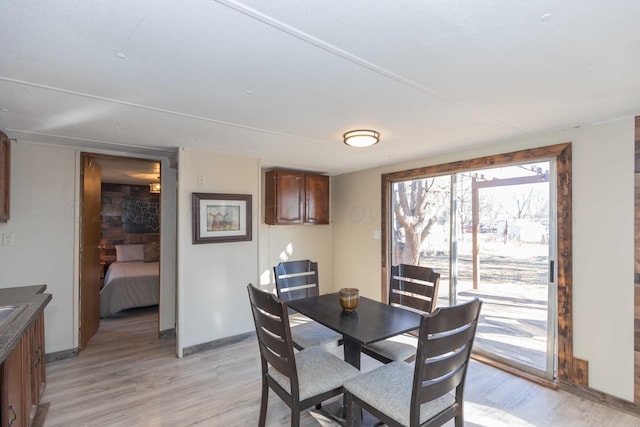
<point>352,351</point>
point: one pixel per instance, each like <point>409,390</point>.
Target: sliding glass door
<point>490,233</point>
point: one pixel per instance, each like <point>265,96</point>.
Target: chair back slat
<point>438,367</point>
<point>442,386</point>
<point>276,345</point>
<point>444,347</point>
<point>414,287</point>
<point>457,318</point>
<point>296,279</point>
<point>439,345</point>
<point>273,331</point>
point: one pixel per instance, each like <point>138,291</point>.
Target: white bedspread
<point>128,285</point>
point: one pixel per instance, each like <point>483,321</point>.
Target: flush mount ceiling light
<point>361,138</point>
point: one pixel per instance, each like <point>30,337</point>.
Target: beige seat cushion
<point>311,334</point>
<point>318,372</point>
<point>389,387</point>
<point>396,348</point>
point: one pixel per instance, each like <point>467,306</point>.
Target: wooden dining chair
<point>299,279</point>
<point>431,392</point>
<point>301,379</point>
<point>412,287</point>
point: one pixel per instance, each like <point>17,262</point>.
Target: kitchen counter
<point>31,301</point>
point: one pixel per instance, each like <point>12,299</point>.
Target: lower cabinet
<point>22,378</point>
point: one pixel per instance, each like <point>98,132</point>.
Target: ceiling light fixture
<point>361,138</point>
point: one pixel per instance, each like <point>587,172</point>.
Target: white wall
<point>292,242</point>
<point>44,218</point>
<point>603,254</point>
<point>212,297</point>
<point>603,229</point>
<point>213,301</point>
<point>43,209</point>
<point>212,278</point>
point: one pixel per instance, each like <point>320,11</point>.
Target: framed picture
<point>220,218</point>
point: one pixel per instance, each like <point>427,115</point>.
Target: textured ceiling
<point>283,80</point>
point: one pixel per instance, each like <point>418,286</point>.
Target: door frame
<point>166,321</point>
<point>90,208</point>
<point>570,368</point>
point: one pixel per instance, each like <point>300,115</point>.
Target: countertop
<point>31,300</point>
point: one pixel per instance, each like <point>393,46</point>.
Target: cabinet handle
<point>38,356</point>
<point>15,416</point>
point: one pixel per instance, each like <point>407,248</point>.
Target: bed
<point>129,283</point>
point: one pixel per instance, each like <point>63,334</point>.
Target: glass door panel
<point>506,252</point>
<point>421,226</point>
<point>488,232</point>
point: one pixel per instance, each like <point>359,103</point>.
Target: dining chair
<point>412,287</point>
<point>300,378</point>
<point>431,392</point>
<point>299,279</point>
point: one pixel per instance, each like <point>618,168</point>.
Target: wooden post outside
<point>475,227</point>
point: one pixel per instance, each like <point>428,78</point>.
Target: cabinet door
<point>38,360</point>
<point>15,405</point>
<point>317,199</point>
<point>284,196</point>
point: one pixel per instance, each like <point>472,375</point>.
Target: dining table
<point>371,321</point>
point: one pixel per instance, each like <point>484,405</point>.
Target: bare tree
<point>418,205</point>
<point>463,203</point>
<point>523,202</point>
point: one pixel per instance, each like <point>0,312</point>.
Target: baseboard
<point>167,333</point>
<point>514,371</point>
<point>600,397</point>
<point>576,389</point>
<point>188,351</point>
<point>41,414</point>
<point>61,355</point>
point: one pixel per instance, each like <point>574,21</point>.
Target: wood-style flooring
<point>128,376</point>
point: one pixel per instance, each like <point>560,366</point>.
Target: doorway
<point>487,232</point>
<point>452,223</point>
<point>505,257</point>
<point>120,208</point>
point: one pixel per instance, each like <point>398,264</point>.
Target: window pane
<point>421,224</point>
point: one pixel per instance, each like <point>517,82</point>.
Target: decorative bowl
<point>349,298</point>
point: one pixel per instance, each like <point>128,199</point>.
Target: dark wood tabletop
<point>371,321</point>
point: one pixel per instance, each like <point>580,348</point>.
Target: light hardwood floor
<point>127,376</point>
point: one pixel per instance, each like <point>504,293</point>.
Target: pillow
<point>128,253</point>
<point>151,252</point>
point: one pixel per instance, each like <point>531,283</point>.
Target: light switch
<point>8,239</point>
<point>376,234</point>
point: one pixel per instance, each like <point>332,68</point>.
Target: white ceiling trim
<point>146,107</point>
<point>308,38</point>
<point>146,148</point>
<point>282,81</point>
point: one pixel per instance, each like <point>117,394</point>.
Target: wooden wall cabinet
<point>293,197</point>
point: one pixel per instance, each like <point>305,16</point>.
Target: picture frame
<point>221,218</point>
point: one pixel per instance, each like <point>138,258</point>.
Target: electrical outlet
<point>200,181</point>
<point>8,239</point>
